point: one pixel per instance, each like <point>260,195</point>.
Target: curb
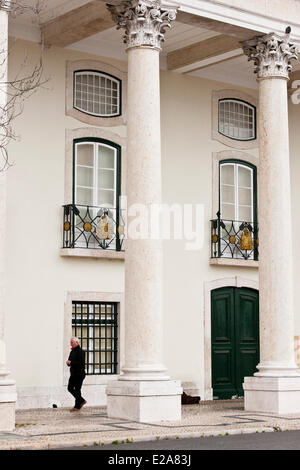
<point>106,441</point>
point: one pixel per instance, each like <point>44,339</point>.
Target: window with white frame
<point>96,172</point>
<point>96,191</point>
<point>236,192</point>
<point>97,93</point>
<point>236,119</point>
<point>237,209</point>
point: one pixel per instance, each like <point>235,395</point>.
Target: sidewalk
<point>56,427</point>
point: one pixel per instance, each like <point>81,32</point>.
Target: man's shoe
<point>82,404</point>
<point>74,409</point>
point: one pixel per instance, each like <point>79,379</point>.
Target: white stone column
<point>144,391</point>
<point>8,394</point>
<point>276,385</point>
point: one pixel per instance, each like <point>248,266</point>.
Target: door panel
<point>235,339</point>
<point>247,339</point>
<point>223,363</point>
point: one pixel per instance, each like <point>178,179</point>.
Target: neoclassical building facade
<point>181,115</point>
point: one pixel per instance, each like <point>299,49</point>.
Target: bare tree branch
<point>19,7</point>
<point>18,89</point>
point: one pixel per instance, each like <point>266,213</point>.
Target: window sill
<point>234,262</point>
<point>100,379</point>
<point>90,253</point>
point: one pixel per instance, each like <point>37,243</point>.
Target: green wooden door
<point>235,339</point>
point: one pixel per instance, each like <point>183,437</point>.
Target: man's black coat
<point>77,358</point>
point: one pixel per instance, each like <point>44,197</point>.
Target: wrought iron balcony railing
<point>234,239</point>
<point>92,227</point>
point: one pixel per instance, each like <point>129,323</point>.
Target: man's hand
<point>68,363</point>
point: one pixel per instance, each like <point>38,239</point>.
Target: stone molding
<point>236,281</point>
<point>118,297</point>
<point>92,253</point>
<point>144,21</point>
<point>272,55</point>
<point>90,132</point>
<point>243,263</point>
<point>227,155</point>
<point>75,65</point>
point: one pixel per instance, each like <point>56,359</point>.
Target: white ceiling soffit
<point>237,71</point>
<point>109,43</point>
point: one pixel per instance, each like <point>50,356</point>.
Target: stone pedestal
<point>280,395</point>
<point>8,398</point>
<point>145,401</point>
<point>7,417</point>
<point>276,386</point>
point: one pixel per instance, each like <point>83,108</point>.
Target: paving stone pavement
<point>56,427</point>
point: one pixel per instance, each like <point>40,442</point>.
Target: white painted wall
<point>38,278</point>
<point>294,127</point>
<point>187,178</point>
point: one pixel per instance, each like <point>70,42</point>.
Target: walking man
<point>76,362</point>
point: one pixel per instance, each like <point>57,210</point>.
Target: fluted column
<point>276,385</point>
<point>144,391</point>
<point>7,384</point>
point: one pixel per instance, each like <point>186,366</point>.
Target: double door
<point>235,339</point>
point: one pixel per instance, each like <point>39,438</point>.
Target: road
<point>281,440</point>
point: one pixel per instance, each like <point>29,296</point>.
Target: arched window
<point>97,93</point>
<point>237,214</point>
<point>237,119</point>
<point>93,220</point>
<point>237,194</point>
<point>96,173</point>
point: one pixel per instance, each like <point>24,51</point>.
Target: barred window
<point>95,325</point>
<point>97,93</point>
<point>237,119</point>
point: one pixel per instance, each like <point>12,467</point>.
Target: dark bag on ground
<point>188,400</point>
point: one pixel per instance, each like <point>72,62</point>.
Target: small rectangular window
<point>95,324</point>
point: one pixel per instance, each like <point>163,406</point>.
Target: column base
<point>8,398</point>
<point>279,395</point>
<point>144,401</point>
<point>7,417</point>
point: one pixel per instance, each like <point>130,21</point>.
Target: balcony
<point>92,228</point>
<point>234,240</point>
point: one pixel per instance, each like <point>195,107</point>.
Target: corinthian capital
<point>144,21</point>
<point>272,55</point>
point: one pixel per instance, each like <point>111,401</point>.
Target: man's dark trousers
<point>74,387</point>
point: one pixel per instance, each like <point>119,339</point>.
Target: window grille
<point>95,325</point>
<point>97,93</point>
<point>237,119</point>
